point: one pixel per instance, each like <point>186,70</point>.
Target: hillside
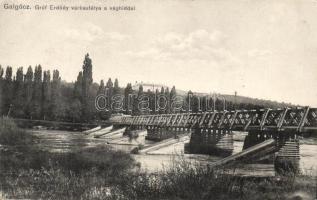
<point>245,100</point>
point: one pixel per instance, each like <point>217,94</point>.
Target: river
<point>64,141</point>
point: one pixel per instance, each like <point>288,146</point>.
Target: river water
<point>64,141</point>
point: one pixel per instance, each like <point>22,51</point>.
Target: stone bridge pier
<point>210,141</point>
<point>287,153</point>
<point>219,142</point>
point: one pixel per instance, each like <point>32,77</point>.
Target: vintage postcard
<point>158,99</point>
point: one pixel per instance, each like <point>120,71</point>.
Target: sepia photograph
<point>158,99</point>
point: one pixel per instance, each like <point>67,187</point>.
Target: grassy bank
<point>187,181</point>
<point>179,182</point>
<point>79,175</point>
<point>28,172</point>
<point>101,173</point>
<point>10,134</point>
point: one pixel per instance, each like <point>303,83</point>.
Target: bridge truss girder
<point>289,119</point>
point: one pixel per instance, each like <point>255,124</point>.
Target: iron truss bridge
<point>288,119</point>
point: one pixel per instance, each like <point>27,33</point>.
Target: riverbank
<point>100,172</point>
<point>35,174</point>
<point>27,171</point>
<point>103,174</point>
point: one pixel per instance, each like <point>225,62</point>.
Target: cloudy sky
<point>263,49</point>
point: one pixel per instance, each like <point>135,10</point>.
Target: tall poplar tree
<point>151,96</point>
<point>78,87</point>
<point>18,100</point>
<point>168,98</point>
<point>28,90</point>
<point>75,107</point>
<point>127,100</point>
<point>86,86</point>
<point>8,90</point>
<point>1,91</point>
<point>56,105</point>
<point>46,95</point>
<point>109,87</point>
<point>136,109</point>
<point>116,89</point>
<point>37,93</point>
<point>101,89</point>
<point>172,98</point>
<point>162,101</point>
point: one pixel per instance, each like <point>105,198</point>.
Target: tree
<point>109,83</point>
<point>76,103</point>
<point>116,89</point>
<point>168,102</point>
<point>102,88</point>
<point>172,98</point>
<point>37,93</point>
<point>18,100</point>
<point>219,104</point>
<point>162,101</point>
<point>104,102</point>
<point>86,85</point>
<point>109,87</point>
<point>8,91</point>
<point>78,87</point>
<point>1,91</point>
<point>46,94</point>
<point>196,104</point>
<point>56,108</point>
<point>116,83</point>
<point>128,101</point>
<point>136,103</point>
<point>1,72</point>
<point>74,111</point>
<point>188,103</point>
<point>151,96</point>
<point>173,92</point>
<point>28,90</point>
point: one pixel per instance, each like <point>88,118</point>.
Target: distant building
<point>148,86</point>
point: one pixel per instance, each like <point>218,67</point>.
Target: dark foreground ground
<point>101,173</point>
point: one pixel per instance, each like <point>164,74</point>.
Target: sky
<point>264,49</point>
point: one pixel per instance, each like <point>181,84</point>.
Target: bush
<point>84,174</point>
<point>10,134</point>
<point>184,180</point>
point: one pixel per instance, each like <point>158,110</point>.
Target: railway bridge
<point>212,132</point>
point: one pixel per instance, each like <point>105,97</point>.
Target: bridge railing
<point>294,119</point>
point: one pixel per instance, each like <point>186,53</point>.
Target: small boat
<point>102,131</point>
<point>92,130</point>
<point>113,134</point>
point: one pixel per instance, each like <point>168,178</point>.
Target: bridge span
<point>211,132</point>
<point>289,119</point>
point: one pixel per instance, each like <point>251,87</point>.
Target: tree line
<point>40,94</point>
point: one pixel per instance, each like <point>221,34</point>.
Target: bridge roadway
<point>289,119</point>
